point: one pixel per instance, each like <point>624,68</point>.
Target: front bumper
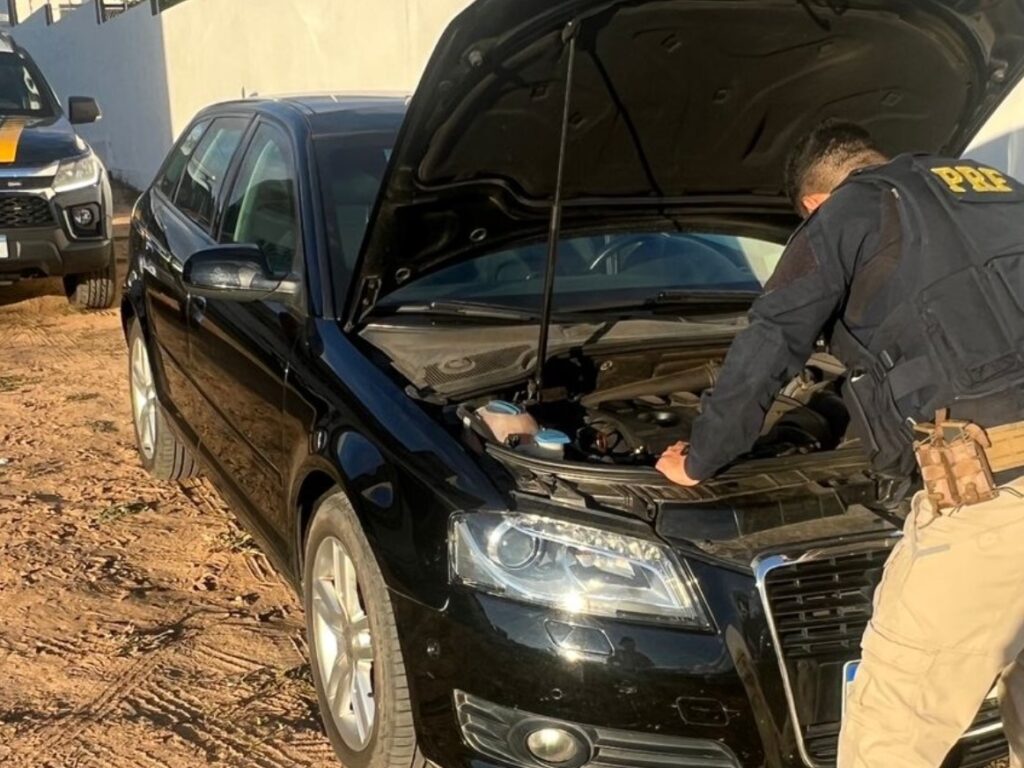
<point>484,672</point>
<point>503,734</point>
<point>45,244</point>
<point>651,691</point>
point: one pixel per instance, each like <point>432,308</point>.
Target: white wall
<point>1001,142</point>
<point>151,74</point>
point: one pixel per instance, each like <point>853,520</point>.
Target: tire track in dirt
<point>58,345</point>
<point>139,626</point>
<point>49,738</point>
<point>100,756</point>
<point>225,662</point>
<point>180,711</point>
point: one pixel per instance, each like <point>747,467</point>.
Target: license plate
<point>5,252</point>
<point>849,673</point>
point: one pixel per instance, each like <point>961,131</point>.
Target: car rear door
<point>240,350</point>
<point>182,204</point>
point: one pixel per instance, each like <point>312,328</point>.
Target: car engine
<point>632,423</point>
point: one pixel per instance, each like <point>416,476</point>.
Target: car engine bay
<point>629,420</point>
<point>613,395</point>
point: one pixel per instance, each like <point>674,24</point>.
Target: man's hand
<point>672,465</point>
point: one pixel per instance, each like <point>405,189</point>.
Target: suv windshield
<point>604,270</point>
<point>22,89</point>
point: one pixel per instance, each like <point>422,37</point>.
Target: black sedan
<point>430,351</point>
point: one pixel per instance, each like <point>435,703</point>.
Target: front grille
<point>982,752</point>
<point>820,607</point>
<point>23,211</point>
<point>986,745</point>
<point>499,732</point>
<point>977,751</point>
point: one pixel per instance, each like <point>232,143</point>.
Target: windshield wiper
<point>467,309</point>
<point>703,297</point>
<point>661,301</point>
<point>669,300</point>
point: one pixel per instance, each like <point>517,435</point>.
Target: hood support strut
<point>569,35</point>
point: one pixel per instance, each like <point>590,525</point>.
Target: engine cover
<point>636,429</point>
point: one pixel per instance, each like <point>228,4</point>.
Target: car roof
<point>325,113</point>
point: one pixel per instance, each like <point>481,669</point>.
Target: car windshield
<point>351,170</point>
<point>604,271</point>
<point>22,89</point>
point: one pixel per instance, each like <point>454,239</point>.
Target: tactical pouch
<point>954,467</point>
<point>876,421</point>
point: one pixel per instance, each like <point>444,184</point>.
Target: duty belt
<point>958,459</point>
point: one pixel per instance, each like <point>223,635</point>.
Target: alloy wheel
<point>144,402</point>
<point>344,652</point>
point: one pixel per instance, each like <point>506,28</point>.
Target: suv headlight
<point>78,173</point>
<point>572,567</point>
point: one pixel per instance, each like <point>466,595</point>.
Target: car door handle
<point>196,308</point>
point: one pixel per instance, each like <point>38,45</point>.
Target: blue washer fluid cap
<point>504,407</point>
<point>551,437</point>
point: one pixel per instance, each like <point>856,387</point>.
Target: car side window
<point>179,157</point>
<point>207,167</point>
<point>263,205</point>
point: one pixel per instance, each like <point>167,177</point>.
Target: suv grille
<point>21,211</point>
<point>820,608</point>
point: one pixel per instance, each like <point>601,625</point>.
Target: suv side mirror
<point>83,109</point>
<point>235,273</point>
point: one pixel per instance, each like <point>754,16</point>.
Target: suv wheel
<point>355,656</point>
<point>163,455</point>
<point>94,290</point>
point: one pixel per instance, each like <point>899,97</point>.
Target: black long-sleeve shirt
<point>808,290</point>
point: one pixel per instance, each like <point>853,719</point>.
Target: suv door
<point>181,204</point>
<point>240,350</point>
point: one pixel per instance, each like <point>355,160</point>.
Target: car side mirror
<point>83,109</point>
<point>236,273</point>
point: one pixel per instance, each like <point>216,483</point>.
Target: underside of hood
<point>681,113</point>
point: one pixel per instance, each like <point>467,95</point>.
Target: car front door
<point>163,293</point>
<point>240,350</point>
<point>182,204</point>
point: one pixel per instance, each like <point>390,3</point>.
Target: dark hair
<point>832,146</point>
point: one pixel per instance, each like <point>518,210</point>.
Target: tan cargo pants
<point>948,624</point>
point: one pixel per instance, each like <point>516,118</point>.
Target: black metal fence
<point>109,9</point>
<point>105,9</point>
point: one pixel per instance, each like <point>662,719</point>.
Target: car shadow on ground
<point>24,290</point>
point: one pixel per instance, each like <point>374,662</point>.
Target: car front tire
<point>355,656</point>
<point>94,290</point>
<point>162,454</point>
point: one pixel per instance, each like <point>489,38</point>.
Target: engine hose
<point>694,380</point>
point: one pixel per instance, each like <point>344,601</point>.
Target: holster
<point>954,465</point>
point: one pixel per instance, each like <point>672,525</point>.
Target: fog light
<point>554,746</point>
<point>83,216</point>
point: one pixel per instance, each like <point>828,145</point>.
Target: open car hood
<point>682,113</point>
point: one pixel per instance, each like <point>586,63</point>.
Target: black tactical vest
<point>959,334</point>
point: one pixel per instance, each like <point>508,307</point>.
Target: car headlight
<point>572,567</point>
<point>78,173</point>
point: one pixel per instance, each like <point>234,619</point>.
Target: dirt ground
<point>139,627</point>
